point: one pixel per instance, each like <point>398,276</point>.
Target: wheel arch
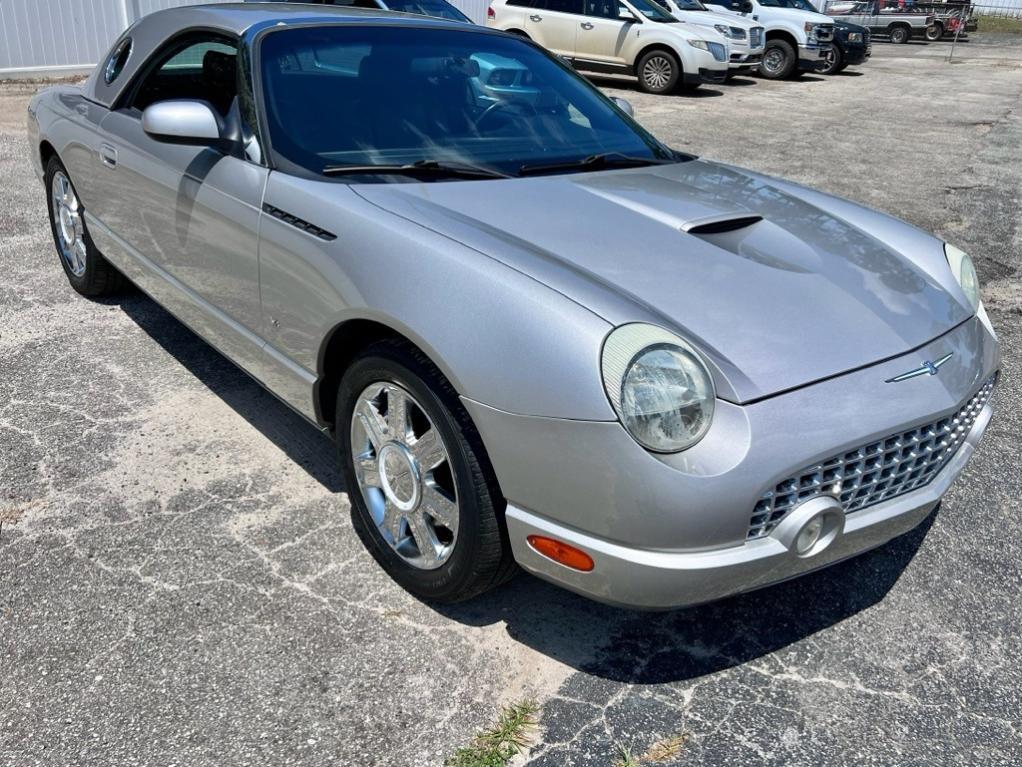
<point>659,46</point>
<point>782,34</point>
<point>46,151</point>
<point>904,25</point>
<point>340,346</point>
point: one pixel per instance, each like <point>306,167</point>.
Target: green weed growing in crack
<point>507,738</point>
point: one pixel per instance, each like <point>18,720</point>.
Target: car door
<point>188,213</point>
<point>602,33</point>
<point>554,24</point>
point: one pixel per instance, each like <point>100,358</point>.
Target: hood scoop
<point>720,224</point>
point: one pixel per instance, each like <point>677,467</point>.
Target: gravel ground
<point>179,583</point>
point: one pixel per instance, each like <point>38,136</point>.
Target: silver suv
<point>635,37</point>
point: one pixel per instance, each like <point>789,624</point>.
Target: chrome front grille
<point>875,472</point>
<point>756,37</point>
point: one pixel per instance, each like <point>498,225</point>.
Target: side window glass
<point>604,9</point>
<point>565,6</point>
<point>115,64</point>
<point>202,68</point>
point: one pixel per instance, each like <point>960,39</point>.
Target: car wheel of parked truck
<point>834,62</point>
<point>425,500</point>
<point>88,272</point>
<point>899,33</point>
<point>779,60</point>
<point>658,72</point>
<point>935,31</point>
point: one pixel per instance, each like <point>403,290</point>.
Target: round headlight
<point>659,387</point>
<point>965,272</point>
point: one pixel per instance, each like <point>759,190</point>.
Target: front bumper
<point>812,57</point>
<point>745,61</point>
<point>654,580</point>
<point>855,53</point>
<point>667,531</point>
<point>706,76</point>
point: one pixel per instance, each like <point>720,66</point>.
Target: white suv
<point>636,37</point>
<point>746,37</point>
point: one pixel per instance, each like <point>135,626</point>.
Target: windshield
<point>688,5</point>
<point>798,5</point>
<point>652,11</point>
<point>438,8</point>
<point>338,95</point>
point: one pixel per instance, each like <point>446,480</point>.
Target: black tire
<point>935,31</point>
<point>658,71</point>
<point>899,34</point>
<point>842,68</point>
<point>481,558</point>
<point>781,52</point>
<point>835,61</point>
<point>99,277</point>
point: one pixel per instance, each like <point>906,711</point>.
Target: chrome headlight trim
<point>965,273</point>
<point>631,349</point>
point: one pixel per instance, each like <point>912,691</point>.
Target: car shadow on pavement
<point>300,440</point>
<point>654,648</point>
<point>631,84</point>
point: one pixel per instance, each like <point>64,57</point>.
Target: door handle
<point>108,155</point>
<point>535,17</point>
<point>586,25</point>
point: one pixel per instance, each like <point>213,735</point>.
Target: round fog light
<point>809,535</point>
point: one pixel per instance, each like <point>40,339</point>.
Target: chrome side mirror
<point>183,121</point>
<point>624,105</point>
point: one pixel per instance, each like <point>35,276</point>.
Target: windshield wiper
<point>595,162</point>
<point>421,168</point>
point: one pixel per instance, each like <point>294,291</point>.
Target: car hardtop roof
<point>239,19</point>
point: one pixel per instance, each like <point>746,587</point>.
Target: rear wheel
<point>779,60</point>
<point>935,31</point>
<point>899,34</point>
<point>424,499</point>
<point>834,61</point>
<point>88,272</point>
<point>659,72</point>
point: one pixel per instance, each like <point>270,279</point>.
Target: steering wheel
<point>498,106</point>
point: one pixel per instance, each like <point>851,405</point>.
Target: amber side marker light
<point>562,553</point>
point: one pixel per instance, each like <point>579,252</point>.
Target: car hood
<point>790,295</point>
<point>797,15</point>
<point>710,17</point>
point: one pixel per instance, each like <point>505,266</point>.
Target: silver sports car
<point>540,337</point>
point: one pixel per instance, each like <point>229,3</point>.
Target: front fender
<point>501,337</point>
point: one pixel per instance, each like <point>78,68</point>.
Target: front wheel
<point>834,61</point>
<point>424,498</point>
<point>89,273</point>
<point>779,60</point>
<point>659,72</point>
<point>899,34</point>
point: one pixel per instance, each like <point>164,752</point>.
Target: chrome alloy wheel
<point>657,72</point>
<point>404,474</point>
<point>67,214</point>
<point>773,60</point>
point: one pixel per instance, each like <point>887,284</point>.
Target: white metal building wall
<point>52,36</point>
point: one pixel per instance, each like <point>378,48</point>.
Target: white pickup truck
<point>796,40</point>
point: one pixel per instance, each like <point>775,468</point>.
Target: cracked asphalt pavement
<point>180,584</point>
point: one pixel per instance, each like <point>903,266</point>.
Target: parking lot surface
<point>180,584</point>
